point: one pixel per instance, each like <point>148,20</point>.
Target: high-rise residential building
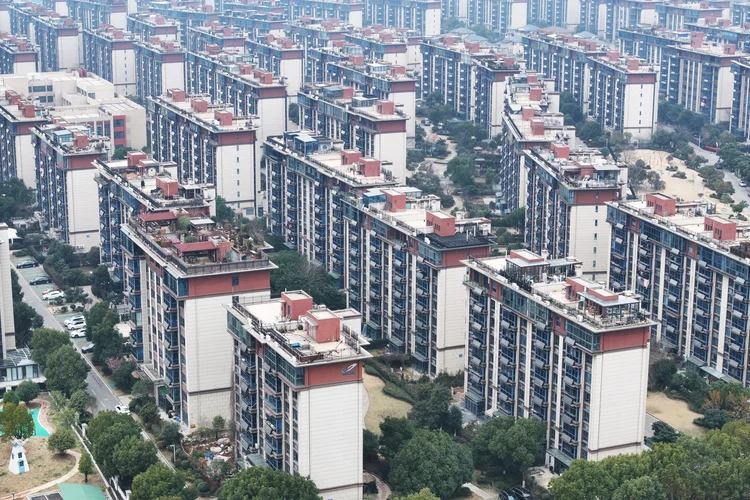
<point>58,38</point>
<point>374,127</point>
<point>144,25</point>
<point>421,16</point>
<point>180,269</point>
<point>91,14</point>
<point>28,100</point>
<point>699,77</point>
<point>229,78</point>
<point>721,31</point>
<point>348,11</point>
<point>548,344</point>
<point>397,47</point>
<point>563,58</point>
<point>18,56</point>
<point>739,123</point>
<point>605,18</point>
<point>382,80</point>
<point>282,57</point>
<point>209,144</point>
<point>470,75</point>
<point>186,16</point>
<point>740,13</point>
<point>624,94</point>
<point>257,24</point>
<point>560,13</point>
<point>298,390</point>
<point>677,16</point>
<point>160,66</point>
<point>501,16</point>
<point>65,186</point>
<point>310,34</point>
<point>110,53</point>
<point>650,44</point>
<point>226,38</point>
<point>454,8</point>
<point>566,196</point>
<point>689,265</point>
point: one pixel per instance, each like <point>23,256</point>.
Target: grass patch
<point>44,466</point>
<point>380,404</point>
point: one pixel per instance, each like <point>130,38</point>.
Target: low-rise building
<point>545,343</point>
<point>110,53</point>
<point>298,390</point>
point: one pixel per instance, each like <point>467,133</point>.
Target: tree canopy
<point>14,198</point>
<point>394,433</point>
<point>132,456</point>
<point>27,390</point>
<point>433,410</point>
<point>295,273</point>
<point>158,481</point>
<point>44,342</point>
<point>261,483</point>
<point>16,422</point>
<point>66,370</point>
<point>61,441</point>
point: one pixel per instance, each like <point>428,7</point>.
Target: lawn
<point>381,405</point>
<point>44,466</point>
<point>674,412</point>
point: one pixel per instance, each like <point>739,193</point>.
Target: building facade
<point>160,66</point>
<point>110,53</point>
<point>421,16</point>
<point>17,55</point>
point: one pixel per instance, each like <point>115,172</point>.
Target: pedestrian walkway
<point>480,492</point>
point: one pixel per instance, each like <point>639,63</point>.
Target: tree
<point>66,370</point>
<point>431,459</point>
<point>224,213</point>
<point>294,113</point>
<point>14,198</point>
<point>16,422</point>
<point>664,433</point>
<point>713,419</point>
<point>295,273</point>
<point>17,291</point>
<point>584,480</point>
<point>107,420</point>
<point>25,319</point>
<point>102,285</point>
<point>369,446</point>
<point>218,425</point>
<point>424,494</point>
<point>44,342</point>
<point>262,483</point>
<point>521,446</point>
<point>480,445</point>
<point>661,373</point>
<point>27,390</point>
<point>394,433</point>
<point>80,401</point>
<point>10,396</point>
<point>157,482</point>
<point>61,441</point>
<point>590,131</point>
<point>107,338</point>
<point>642,488</point>
<point>170,434</point>
<point>142,388</point>
<point>86,466</point>
<point>123,375</point>
<point>739,207</point>
<point>149,413</point>
<point>217,470</point>
<point>433,410</point>
<point>132,456</point>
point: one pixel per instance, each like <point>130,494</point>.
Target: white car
<point>54,295</point>
<point>77,325</point>
<point>122,409</point>
<point>49,291</point>
<point>78,334</point>
<point>74,319</point>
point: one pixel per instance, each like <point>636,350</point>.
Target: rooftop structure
<point>160,65</point>
<point>147,24</point>
<point>17,55</point>
<point>110,53</point>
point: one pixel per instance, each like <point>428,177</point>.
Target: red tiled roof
<point>157,216</point>
<point>195,247</point>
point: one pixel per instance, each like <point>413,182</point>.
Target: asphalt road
<point>740,193</point>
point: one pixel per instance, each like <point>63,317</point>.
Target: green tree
<point>170,434</point>
<point>27,390</point>
<point>664,433</point>
<point>106,420</point>
<point>434,410</point>
<point>661,373</point>
<point>394,433</point>
<point>85,466</point>
<point>480,445</point>
<point>449,24</point>
<point>431,459</point>
<point>15,197</point>
<point>81,401</point>
<point>295,273</point>
<point>713,419</point>
<point>16,422</point>
<point>11,396</point>
<point>44,342</point>
<point>66,370</point>
<point>218,424</point>
<point>107,339</point>
<point>132,456</point>
<point>123,375</point>
<point>121,152</point>
<point>25,319</point>
<point>61,441</point>
<point>157,482</point>
<point>642,488</point>
<point>521,446</point>
<point>262,483</point>
<point>584,480</point>
<point>424,494</point>
<point>224,213</point>
<point>142,388</point>
<point>15,286</point>
<point>149,413</point>
<point>369,446</point>
<point>294,113</point>
<point>102,285</point>
<point>590,131</point>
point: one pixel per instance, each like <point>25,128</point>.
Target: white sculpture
<point>18,461</point>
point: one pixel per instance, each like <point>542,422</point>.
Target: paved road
<point>740,193</point>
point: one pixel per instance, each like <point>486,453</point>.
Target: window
<point>238,159</point>
<point>594,249</point>
<point>593,264</point>
<point>238,171</point>
<point>235,281</point>
<point>596,236</point>
<point>119,123</point>
<point>238,195</point>
<point>238,182</point>
<point>596,222</point>
<point>596,209</point>
<point>119,135</point>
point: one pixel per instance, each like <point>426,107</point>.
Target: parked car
<point>522,493</point>
<point>49,291</point>
<point>122,409</point>
<point>27,263</point>
<point>77,325</point>
<point>426,122</point>
<point>74,319</point>
<point>41,280</point>
<point>743,184</point>
<point>78,334</point>
<point>54,295</point>
<point>88,348</point>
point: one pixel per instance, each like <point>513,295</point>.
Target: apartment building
<point>394,46</point>
<point>605,19</point>
<point>58,40</point>
<point>256,24</point>
<point>561,13</point>
<point>18,56</point>
<point>226,38</point>
<point>373,127</point>
<point>470,75</point>
<point>347,11</point>
<point>282,57</point>
<point>229,78</point>
<point>689,266</point>
<point>545,343</point>
<point>531,118</point>
<point>677,16</point>
<point>381,80</point>
<point>184,269</point>
<point>186,16</point>
<point>721,31</point>
<point>146,24</point>
<point>65,187</point>
<point>563,58</point>
<point>501,16</point>
<point>110,53</point>
<point>209,144</point>
<point>160,65</point>
<point>699,77</point>
<point>310,34</point>
<point>298,390</point>
<point>739,123</point>
<point>35,99</point>
<point>740,13</point>
<point>454,8</point>
<point>566,196</point>
<point>649,44</point>
<point>623,95</point>
<point>91,14</point>
<point>421,16</point>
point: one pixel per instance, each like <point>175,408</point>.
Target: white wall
<point>392,147</point>
<point>25,167</point>
<point>173,76</point>
<point>724,91</point>
<point>292,70</point>
<point>585,224</point>
<point>119,20</point>
<point>519,13</point>
<point>640,110</point>
<point>22,68</point>
<point>123,71</point>
<point>272,113</point>
<point>68,50</point>
<point>83,198</point>
<point>355,19</point>
<point>238,163</point>
<point>432,22</point>
<point>452,310</point>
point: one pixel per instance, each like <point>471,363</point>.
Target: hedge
<point>394,386</point>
